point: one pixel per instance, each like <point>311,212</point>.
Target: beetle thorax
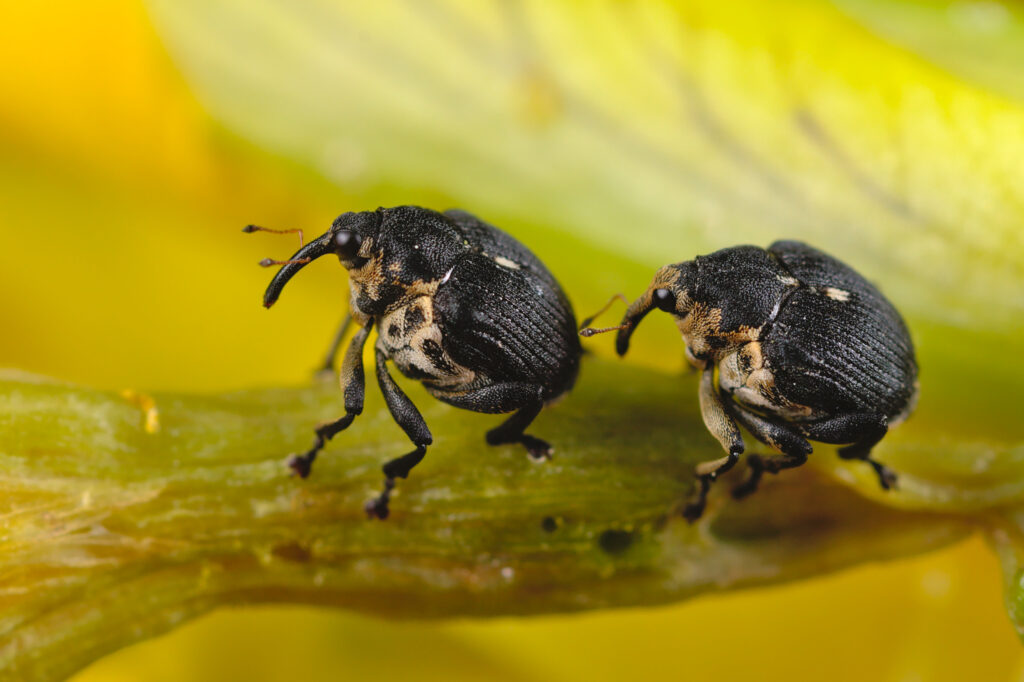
<point>367,289</point>
<point>377,290</point>
<point>705,340</point>
<point>411,336</point>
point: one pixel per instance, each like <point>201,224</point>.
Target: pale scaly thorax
<point>745,376</point>
<point>410,336</point>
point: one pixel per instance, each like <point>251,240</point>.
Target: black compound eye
<point>665,300</point>
<point>347,243</point>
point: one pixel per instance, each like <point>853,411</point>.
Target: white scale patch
<point>511,265</point>
<point>837,294</point>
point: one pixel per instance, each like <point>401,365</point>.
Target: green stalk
<point>112,534</point>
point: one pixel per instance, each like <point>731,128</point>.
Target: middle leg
<point>782,437</point>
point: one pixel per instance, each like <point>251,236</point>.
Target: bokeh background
<point>136,140</point>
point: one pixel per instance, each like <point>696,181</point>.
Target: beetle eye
<point>347,243</point>
<point>665,300</point>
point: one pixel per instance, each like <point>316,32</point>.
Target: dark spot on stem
<point>615,542</point>
<point>549,524</point>
<point>292,551</point>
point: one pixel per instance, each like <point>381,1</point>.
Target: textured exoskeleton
<point>805,349</point>
<point>458,305</point>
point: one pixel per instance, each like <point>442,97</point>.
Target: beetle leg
<point>782,437</point>
<point>327,366</point>
<point>723,427</point>
<point>506,397</point>
<point>695,508</point>
<point>511,431</point>
<point>864,431</point>
<point>716,416</point>
<point>411,421</point>
<point>353,383</point>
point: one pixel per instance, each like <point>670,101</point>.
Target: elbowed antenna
<point>636,312</point>
<point>321,246</point>
<point>587,331</point>
<point>249,229</point>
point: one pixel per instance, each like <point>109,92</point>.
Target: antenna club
<point>590,331</point>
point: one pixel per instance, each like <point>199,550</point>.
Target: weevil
<point>458,305</point>
<point>793,345</point>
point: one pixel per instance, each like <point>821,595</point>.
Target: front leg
<point>353,383</point>
<point>411,421</point>
<point>723,427</point>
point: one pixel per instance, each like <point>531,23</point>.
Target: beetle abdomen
<point>837,344</point>
<point>509,324</point>
<point>500,246</point>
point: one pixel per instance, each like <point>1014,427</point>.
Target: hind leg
<point>863,431</point>
<point>511,431</point>
<point>506,397</point>
<point>782,437</point>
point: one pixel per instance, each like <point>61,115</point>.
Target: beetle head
<point>670,290</point>
<point>388,252</point>
<point>350,238</point>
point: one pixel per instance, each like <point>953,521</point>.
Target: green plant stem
<point>112,534</point>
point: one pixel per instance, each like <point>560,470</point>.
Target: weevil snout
<point>321,246</point>
<point>668,291</point>
<point>349,235</point>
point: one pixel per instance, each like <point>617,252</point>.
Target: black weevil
<point>460,306</point>
<point>805,348</point>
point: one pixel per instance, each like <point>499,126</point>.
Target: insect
<point>458,305</point>
<point>805,349</point>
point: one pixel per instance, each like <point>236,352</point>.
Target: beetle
<point>804,348</point>
<point>458,305</point>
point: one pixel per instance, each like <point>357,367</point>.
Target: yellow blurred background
<point>122,265</point>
